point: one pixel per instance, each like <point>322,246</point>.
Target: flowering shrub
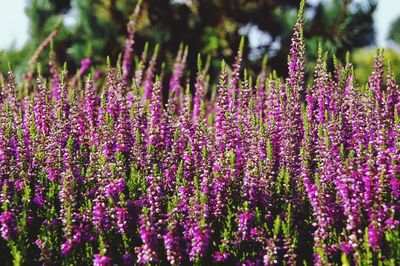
<point>269,172</point>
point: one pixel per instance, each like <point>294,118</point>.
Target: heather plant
<point>261,171</point>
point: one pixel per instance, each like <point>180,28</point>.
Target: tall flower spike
<point>222,106</point>
<point>179,64</point>
<point>320,87</point>
<point>10,89</point>
<point>8,224</point>
<point>140,67</point>
<point>41,106</point>
<point>260,88</point>
<point>92,102</point>
<point>55,77</point>
<point>392,94</point>
<point>234,81</point>
<point>129,42</point>
<point>200,92</point>
<point>148,82</point>
<point>293,132</point>
<point>156,113</point>
<point>375,103</point>
<point>85,65</point>
<point>38,52</point>
<point>296,63</point>
<point>376,79</point>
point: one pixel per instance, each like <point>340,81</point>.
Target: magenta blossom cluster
<point>271,172</point>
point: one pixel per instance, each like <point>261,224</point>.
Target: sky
<point>14,27</point>
<point>13,23</point>
<point>387,12</point>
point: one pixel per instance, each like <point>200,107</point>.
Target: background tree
<point>210,27</point>
<point>394,33</point>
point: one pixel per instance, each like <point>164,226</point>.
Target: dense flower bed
<point>269,172</point>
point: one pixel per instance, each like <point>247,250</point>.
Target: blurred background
<point>97,28</point>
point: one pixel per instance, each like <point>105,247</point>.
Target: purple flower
<point>347,248</point>
<point>171,243</point>
<point>100,215</point>
<point>122,220</point>
<point>114,187</point>
<point>254,173</point>
<point>374,237</point>
<point>85,65</point>
<point>221,256</point>
<point>38,200</point>
<point>129,42</point>
<point>98,74</point>
<point>128,259</point>
<point>101,260</point>
<point>148,82</point>
<point>52,176</point>
<point>179,64</point>
<point>200,239</point>
<point>8,225</point>
<point>245,225</point>
<point>66,247</point>
<point>146,255</point>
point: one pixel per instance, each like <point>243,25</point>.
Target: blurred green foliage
<point>207,26</point>
<point>394,32</point>
<point>363,61</point>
